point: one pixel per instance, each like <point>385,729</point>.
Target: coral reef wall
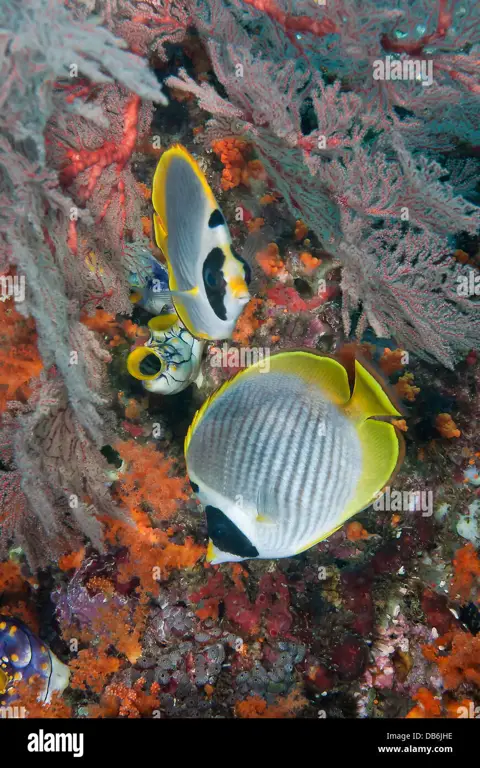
<point>341,141</point>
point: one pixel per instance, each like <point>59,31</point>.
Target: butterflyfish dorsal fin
<point>369,397</point>
<point>321,371</point>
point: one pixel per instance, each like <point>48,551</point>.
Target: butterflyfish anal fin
<point>382,451</point>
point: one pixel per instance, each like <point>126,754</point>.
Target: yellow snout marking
<point>238,287</point>
<point>210,552</point>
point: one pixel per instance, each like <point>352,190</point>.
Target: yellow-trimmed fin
<point>317,370</point>
<point>369,397</point>
<point>135,297</point>
<point>135,358</point>
<point>180,301</point>
<point>160,178</point>
<point>202,410</point>
<point>162,322</point>
<point>382,451</point>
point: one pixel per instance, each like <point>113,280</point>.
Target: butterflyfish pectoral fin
<point>161,239</point>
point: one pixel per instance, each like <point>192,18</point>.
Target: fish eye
<point>210,278</point>
<point>150,365</point>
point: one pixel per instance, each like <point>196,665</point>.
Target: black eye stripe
<point>216,219</point>
<point>214,282</point>
<point>226,536</point>
<point>246,267</point>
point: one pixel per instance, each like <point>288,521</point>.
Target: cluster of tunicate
<point>172,621</point>
<point>208,664</point>
<point>274,675</point>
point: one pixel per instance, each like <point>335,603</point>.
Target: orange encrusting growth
<point>152,554</point>
<point>405,387</point>
<point>427,705</point>
<point>72,560</point>
<point>392,361</point>
<point>446,426</point>
<point>256,707</point>
<point>90,669</point>
<point>19,358</point>
<point>255,225</point>
<point>461,664</point>
<point>149,480</point>
<point>270,261</point>
<point>122,700</point>
<point>233,152</point>
<point>28,693</point>
<point>248,322</point>
<point>102,322</point>
<point>356,532</point>
<point>466,564</point>
<point>309,262</point>
<point>301,230</point>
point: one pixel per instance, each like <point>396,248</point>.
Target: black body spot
<point>194,487</point>
<point>214,282</point>
<point>246,267</point>
<point>216,219</point>
<point>150,365</point>
<point>226,536</point>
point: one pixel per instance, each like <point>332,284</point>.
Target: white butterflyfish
<point>208,280</point>
<point>281,459</point>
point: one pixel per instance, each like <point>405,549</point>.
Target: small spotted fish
<point>22,655</point>
<point>207,279</point>
<point>280,459</point>
<point>170,360</point>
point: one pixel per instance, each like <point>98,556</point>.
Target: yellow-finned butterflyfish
<point>208,281</point>
<point>281,458</point>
